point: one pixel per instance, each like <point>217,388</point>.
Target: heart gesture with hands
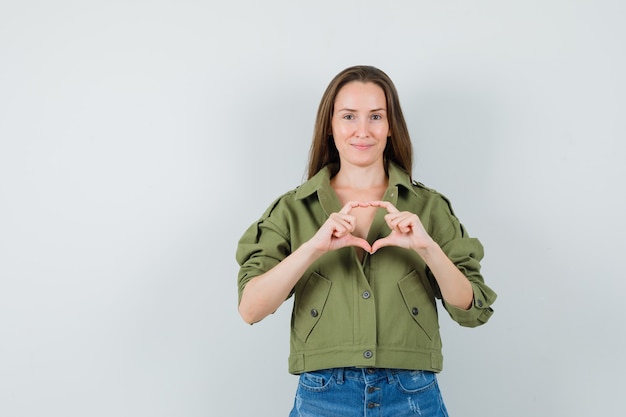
<point>336,232</point>
<point>407,230</point>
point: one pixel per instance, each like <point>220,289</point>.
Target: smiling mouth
<point>361,146</point>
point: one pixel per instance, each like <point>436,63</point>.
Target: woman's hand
<point>336,232</point>
<point>264,293</point>
<point>407,230</point>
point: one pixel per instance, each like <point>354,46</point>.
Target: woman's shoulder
<point>432,196</point>
<point>426,191</point>
<point>284,200</point>
<point>400,177</point>
<point>420,187</point>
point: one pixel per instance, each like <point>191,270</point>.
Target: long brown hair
<point>323,150</point>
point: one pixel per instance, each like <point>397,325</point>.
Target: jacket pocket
<point>309,305</point>
<point>420,303</point>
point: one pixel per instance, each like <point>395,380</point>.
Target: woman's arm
<point>264,293</point>
<point>408,232</point>
<point>455,288</point>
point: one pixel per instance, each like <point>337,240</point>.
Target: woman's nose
<point>362,129</point>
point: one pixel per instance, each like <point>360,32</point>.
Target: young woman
<point>366,252</point>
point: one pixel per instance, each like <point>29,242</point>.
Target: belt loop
<point>340,377</point>
<point>389,375</point>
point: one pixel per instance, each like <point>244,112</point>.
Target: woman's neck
<point>360,178</point>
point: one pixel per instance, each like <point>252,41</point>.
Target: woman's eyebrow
<point>354,111</point>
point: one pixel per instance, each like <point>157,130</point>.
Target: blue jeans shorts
<point>368,392</point>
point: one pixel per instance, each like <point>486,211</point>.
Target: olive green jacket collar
<point>320,183</point>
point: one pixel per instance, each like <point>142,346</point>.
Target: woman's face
<point>359,124</point>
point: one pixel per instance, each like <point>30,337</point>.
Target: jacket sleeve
<point>262,246</point>
<point>466,253</point>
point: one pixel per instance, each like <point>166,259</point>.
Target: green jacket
<point>378,313</point>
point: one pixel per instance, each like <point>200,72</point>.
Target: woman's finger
<point>384,204</point>
<point>347,208</point>
<point>352,240</point>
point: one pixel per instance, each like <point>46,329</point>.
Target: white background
<point>138,140</point>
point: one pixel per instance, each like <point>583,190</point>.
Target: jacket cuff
<point>479,312</point>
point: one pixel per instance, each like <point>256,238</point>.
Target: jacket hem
<point>366,357</point>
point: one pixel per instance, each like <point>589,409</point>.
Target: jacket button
<point>366,294</point>
<point>414,311</point>
<point>479,303</point>
<point>368,354</point>
<point>314,313</point>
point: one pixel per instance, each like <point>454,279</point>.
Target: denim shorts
<point>368,392</point>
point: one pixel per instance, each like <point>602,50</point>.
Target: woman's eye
<point>348,117</point>
<point>376,117</point>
